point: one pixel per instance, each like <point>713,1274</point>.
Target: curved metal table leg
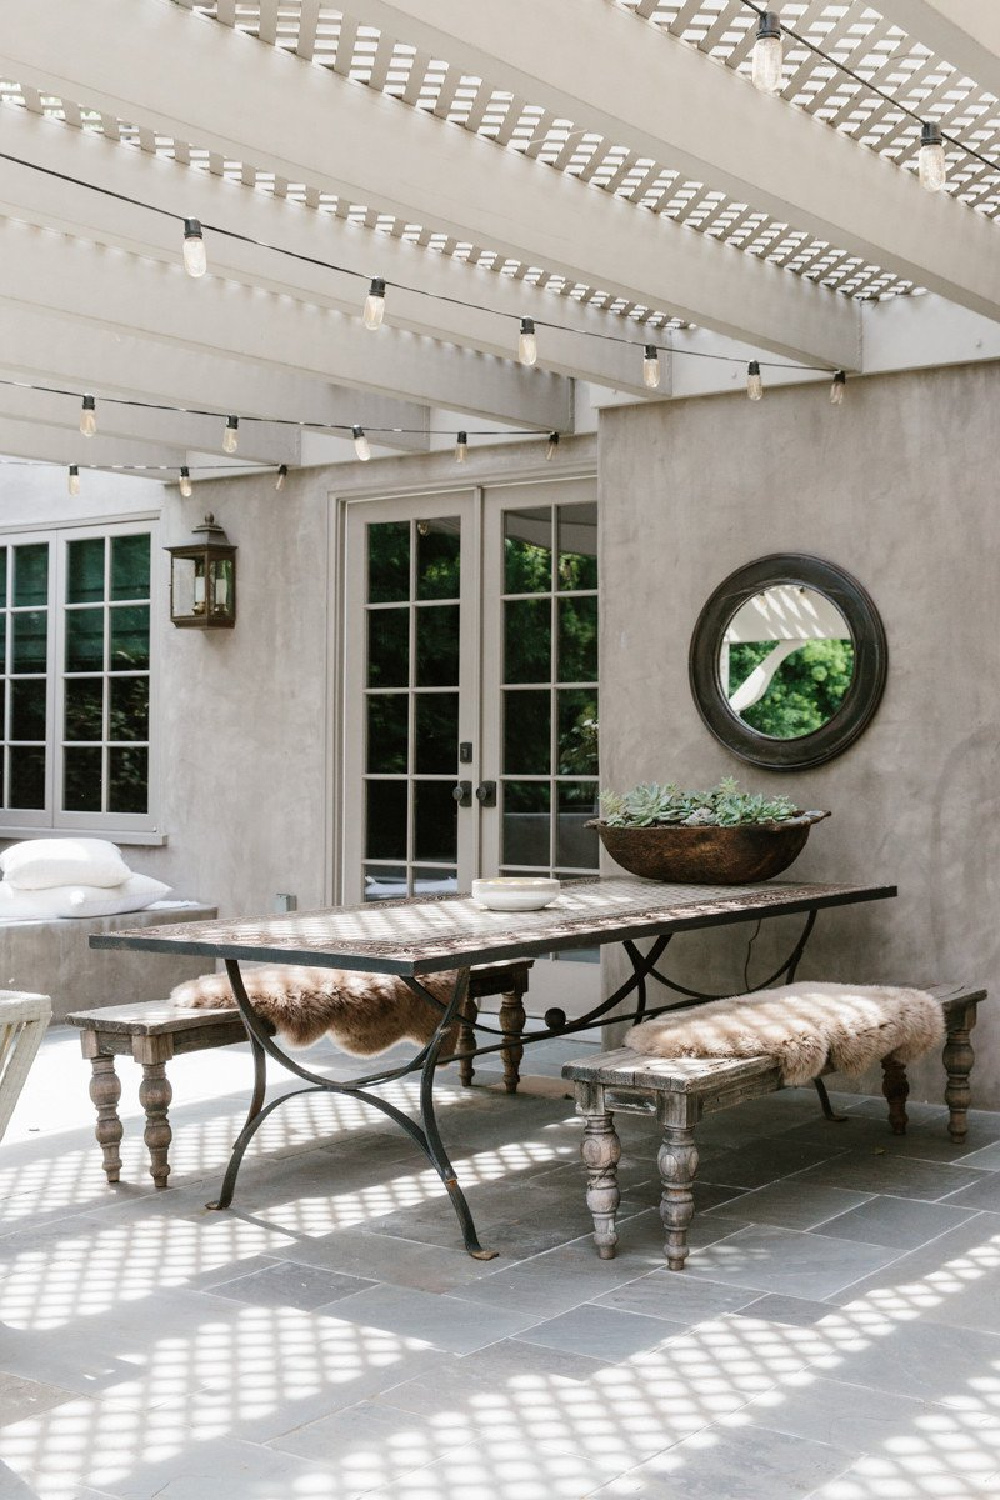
<point>255,1117</point>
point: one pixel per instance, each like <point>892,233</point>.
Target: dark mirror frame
<point>871,657</point>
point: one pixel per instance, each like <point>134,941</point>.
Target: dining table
<point>418,936</point>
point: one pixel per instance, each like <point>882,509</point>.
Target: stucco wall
<point>900,487</point>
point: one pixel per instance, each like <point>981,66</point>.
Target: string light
<point>362,447</point>
<point>461,447</point>
<point>375,304</point>
<point>186,490</point>
<point>74,479</point>
<point>651,367</point>
<point>932,168</point>
<point>195,259</point>
<point>88,417</point>
<point>527,344</point>
<point>765,64</point>
<point>551,446</point>
<point>755,386</point>
<point>230,438</point>
<point>838,388</point>
<point>281,476</point>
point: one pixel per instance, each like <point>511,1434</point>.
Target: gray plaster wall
<point>900,487</point>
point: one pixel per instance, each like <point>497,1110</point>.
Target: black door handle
<point>486,794</point>
<point>462,793</point>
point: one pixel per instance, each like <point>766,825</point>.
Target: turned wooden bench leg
<point>958,1058</point>
<point>469,1014</point>
<point>152,1053</point>
<point>512,1025</point>
<point>895,1087</point>
<point>105,1091</point>
<point>677,1160</point>
<point>601,1151</point>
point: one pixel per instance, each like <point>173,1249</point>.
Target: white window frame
<point>129,828</point>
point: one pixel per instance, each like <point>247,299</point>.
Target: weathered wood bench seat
<point>677,1092</point>
<point>153,1032</point>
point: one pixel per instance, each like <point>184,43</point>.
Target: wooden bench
<point>153,1032</point>
<point>23,1019</point>
<point>677,1092</point>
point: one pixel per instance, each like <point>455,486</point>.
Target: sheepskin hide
<point>803,1027</point>
<point>364,1013</point>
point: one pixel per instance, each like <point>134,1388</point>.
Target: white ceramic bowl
<point>515,892</point>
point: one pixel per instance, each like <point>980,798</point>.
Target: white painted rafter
<point>966,32</point>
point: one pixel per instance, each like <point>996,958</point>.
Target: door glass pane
<point>128,778</point>
<point>437,646</point>
<point>526,733</point>
<point>388,733</point>
<point>82,780</point>
<point>388,562</point>
<point>3,642</point>
<point>130,567</point>
<point>129,711</point>
<point>578,639</point>
<point>3,577</point>
<point>385,882</point>
<point>28,652</point>
<point>527,550</point>
<point>436,750</point>
<point>438,547</point>
<point>385,820</point>
<point>85,571</point>
<point>388,647</point>
<point>526,806</point>
<point>577,526</point>
<point>577,709</point>
<point>527,640</point>
<point>576,845</point>
<point>435,821</point>
<point>27,708</point>
<point>429,880</point>
<point>31,579</point>
<point>27,776</point>
<point>130,638</point>
<point>84,640</point>
<point>84,710</point>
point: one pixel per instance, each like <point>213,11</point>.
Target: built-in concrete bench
<point>154,1032</point>
<point>23,1019</point>
<point>678,1091</point>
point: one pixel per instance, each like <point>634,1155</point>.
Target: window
<point>75,689</point>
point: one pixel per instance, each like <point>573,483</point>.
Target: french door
<point>471,695</point>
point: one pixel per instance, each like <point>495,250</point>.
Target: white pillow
<point>137,892</point>
<point>40,864</point>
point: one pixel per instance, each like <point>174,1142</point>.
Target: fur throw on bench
<point>363,1013</point>
<point>803,1027</point>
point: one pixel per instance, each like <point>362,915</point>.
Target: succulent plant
<point>649,804</point>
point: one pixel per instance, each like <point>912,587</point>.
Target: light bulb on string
<point>88,417</point>
<point>551,446</point>
<point>280,477</point>
<point>230,438</point>
<point>461,447</point>
<point>195,259</point>
<point>651,367</point>
<point>932,168</point>
<point>755,386</point>
<point>837,389</point>
<point>362,447</point>
<point>375,304</point>
<point>765,64</point>
<point>74,479</point>
<point>527,344</point>
<point>186,490</point>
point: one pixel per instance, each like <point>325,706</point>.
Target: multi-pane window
<point>76,680</point>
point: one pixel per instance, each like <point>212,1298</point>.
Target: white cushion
<point>135,893</point>
<point>40,864</point>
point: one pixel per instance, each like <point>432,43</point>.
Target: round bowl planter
<point>707,854</point>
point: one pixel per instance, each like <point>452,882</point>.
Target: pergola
<point>604,169</point>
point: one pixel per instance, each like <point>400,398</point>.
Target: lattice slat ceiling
<point>854,33</point>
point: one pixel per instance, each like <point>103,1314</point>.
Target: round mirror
<point>788,661</point>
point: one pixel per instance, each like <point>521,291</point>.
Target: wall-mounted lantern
<point>203,579</point>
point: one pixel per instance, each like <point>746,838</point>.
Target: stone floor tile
<point>390,1258</point>
<point>366,1447</point>
<point>948,1454</point>
<point>560,1279</point>
<point>764,1161</point>
<point>449,1323</point>
<point>984,1193</point>
<point>868,1343</point>
<point>289,1284</point>
<point>24,1398</point>
<point>679,1299</point>
<point>853,1418</point>
<point>788,1261</point>
<point>791,1204</point>
<point>792,1312</point>
<point>902,1222</point>
<point>940,1279</point>
<point>902,1177</point>
<point>601,1332</point>
<point>717,1464</point>
<point>984,1158</point>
